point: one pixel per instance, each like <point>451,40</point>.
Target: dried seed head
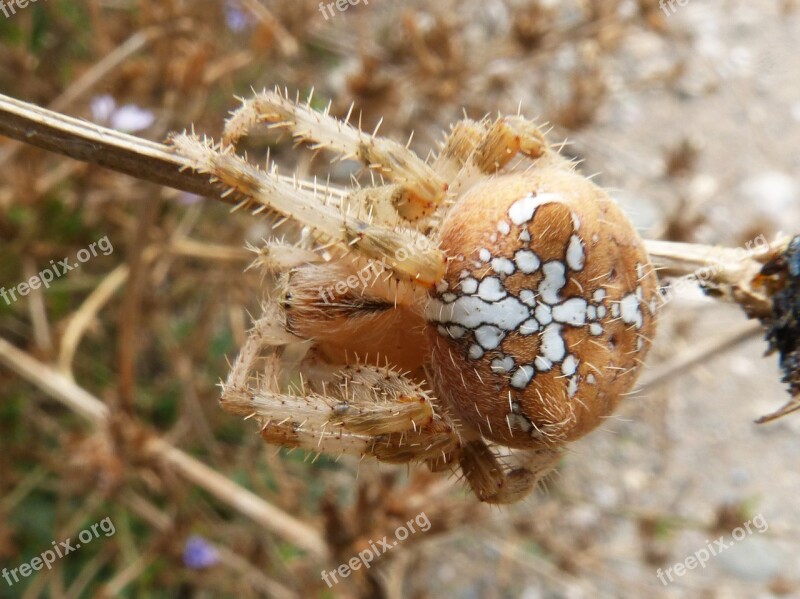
<point>780,280</point>
<point>546,311</point>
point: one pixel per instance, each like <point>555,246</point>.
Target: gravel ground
<point>687,450</point>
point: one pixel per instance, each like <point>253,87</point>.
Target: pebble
<point>755,559</point>
<point>776,195</point>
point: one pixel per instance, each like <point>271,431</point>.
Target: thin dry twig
<point>162,522</point>
<point>94,144</point>
<point>728,265</point>
<point>698,354</point>
<point>104,147</point>
<point>79,322</point>
<point>108,64</point>
<point>78,399</point>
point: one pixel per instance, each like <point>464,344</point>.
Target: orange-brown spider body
<point>475,313</point>
<point>545,311</point>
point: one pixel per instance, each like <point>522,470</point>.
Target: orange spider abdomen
<point>546,310</point>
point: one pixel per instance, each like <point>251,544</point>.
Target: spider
<point>477,311</point>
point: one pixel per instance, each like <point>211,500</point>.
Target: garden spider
<point>479,311</point>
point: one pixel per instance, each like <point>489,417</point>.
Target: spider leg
<point>276,256</point>
<point>494,482</point>
<point>506,138</point>
<point>474,149</point>
<point>459,146</point>
<point>421,187</point>
<point>268,331</point>
<point>488,147</point>
<point>405,251</point>
<point>364,410</point>
<point>360,410</point>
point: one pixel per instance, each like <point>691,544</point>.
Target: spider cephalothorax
<point>478,312</point>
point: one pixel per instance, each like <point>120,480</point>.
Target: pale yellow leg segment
<point>276,257</point>
<point>404,251</point>
<point>459,146</point>
<point>487,147</point>
<point>508,137</point>
<point>358,410</point>
<point>423,189</point>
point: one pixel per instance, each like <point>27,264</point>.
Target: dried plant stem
<point>108,64</point>
<point>98,145</point>
<point>699,354</point>
<point>731,271</point>
<point>127,154</point>
<point>122,578</point>
<point>158,163</point>
<point>164,524</point>
<point>678,259</point>
<point>79,322</point>
<point>83,317</point>
<point>89,573</point>
<point>67,392</point>
<point>37,310</point>
<point>287,43</point>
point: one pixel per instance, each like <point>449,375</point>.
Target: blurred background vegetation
<point>689,115</point>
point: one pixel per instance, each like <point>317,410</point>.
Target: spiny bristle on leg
<point>407,252</point>
<point>395,161</point>
<point>275,257</point>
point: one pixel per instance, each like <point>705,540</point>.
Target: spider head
<point>546,310</point>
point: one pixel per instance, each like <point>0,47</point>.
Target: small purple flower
<point>188,199</point>
<point>235,18</point>
<point>102,108</point>
<point>199,553</point>
<point>129,118</point>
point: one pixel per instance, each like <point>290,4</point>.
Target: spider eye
<point>546,310</point>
